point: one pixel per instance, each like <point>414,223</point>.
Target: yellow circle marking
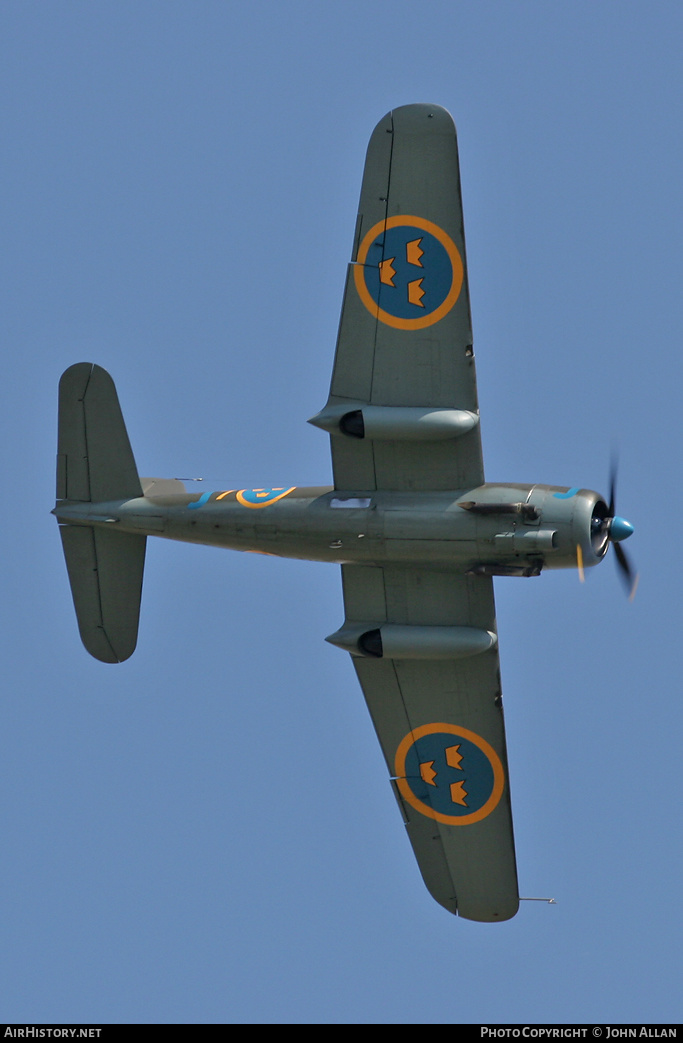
<point>453,254</point>
<point>424,809</point>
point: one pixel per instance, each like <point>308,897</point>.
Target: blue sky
<point>206,833</point>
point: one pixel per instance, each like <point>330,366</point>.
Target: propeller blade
<point>579,562</point>
<point>630,579</point>
<point>612,486</point>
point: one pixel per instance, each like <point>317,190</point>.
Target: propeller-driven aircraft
<point>417,531</point>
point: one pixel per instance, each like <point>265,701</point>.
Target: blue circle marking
<point>388,272</point>
<point>262,497</point>
<point>449,774</point>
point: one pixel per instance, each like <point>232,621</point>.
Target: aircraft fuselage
<point>492,529</point>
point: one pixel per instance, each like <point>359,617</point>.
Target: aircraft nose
<point>620,529</point>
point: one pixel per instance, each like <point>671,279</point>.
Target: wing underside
<point>440,725</point>
<point>404,361</point>
<point>405,334</point>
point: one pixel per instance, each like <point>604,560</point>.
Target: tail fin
<point>95,464</point>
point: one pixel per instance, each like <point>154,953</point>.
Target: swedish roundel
<point>449,773</point>
<point>408,273</point>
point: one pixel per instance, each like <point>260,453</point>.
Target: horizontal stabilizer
<point>95,462</point>
<point>105,571</point>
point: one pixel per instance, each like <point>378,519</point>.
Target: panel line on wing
<point>437,835</point>
<point>384,258</point>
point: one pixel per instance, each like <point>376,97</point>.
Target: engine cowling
<point>522,529</point>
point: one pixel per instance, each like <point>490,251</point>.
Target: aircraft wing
<point>405,341</point>
<point>440,725</point>
<point>405,336</point>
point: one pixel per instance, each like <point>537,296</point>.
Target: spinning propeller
<point>619,529</point>
<point>614,529</point>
